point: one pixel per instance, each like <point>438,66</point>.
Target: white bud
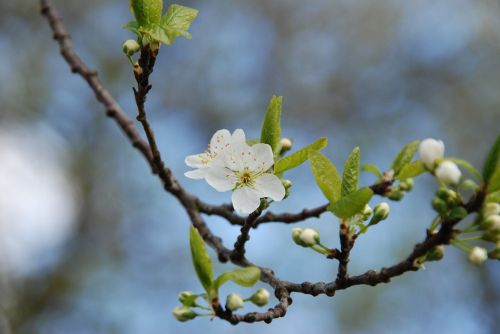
<point>261,297</point>
<point>448,172</point>
<point>491,209</point>
<point>430,150</point>
<point>367,212</point>
<point>186,298</point>
<point>130,47</point>
<point>309,237</point>
<point>492,223</point>
<point>381,212</point>
<point>234,301</point>
<point>286,144</point>
<point>478,255</point>
<point>183,313</point>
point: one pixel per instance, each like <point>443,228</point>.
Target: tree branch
<point>195,207</point>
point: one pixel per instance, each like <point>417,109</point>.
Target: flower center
<point>246,178</point>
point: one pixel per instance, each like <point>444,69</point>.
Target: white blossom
<point>381,211</point>
<point>491,209</point>
<point>430,150</point>
<point>245,170</point>
<point>219,143</point>
<point>231,164</point>
<point>478,255</point>
<point>448,172</point>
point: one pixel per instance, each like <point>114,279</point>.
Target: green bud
<point>439,205</point>
<point>187,298</point>
<point>380,213</point>
<point>396,195</point>
<point>309,237</point>
<point>406,185</point>
<point>261,297</point>
<point>184,313</point>
<point>491,235</point>
<point>458,213</point>
<point>296,232</point>
<point>469,185</point>
<point>287,184</point>
<point>435,254</point>
<point>130,47</point>
<point>234,302</point>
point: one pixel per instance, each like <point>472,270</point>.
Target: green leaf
<point>491,161</point>
<point>372,169</point>
<point>174,23</point>
<point>326,176</point>
<point>147,12</point>
<point>412,169</point>
<point>201,260</point>
<point>132,26</point>
<point>351,204</point>
<point>351,172</point>
<point>467,166</point>
<point>494,183</point>
<point>271,129</point>
<point>243,276</point>
<point>295,159</point>
<point>405,155</point>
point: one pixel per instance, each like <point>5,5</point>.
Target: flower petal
<point>220,178</point>
<point>197,160</point>
<point>238,136</point>
<point>269,185</point>
<point>238,155</point>
<point>263,156</point>
<point>196,174</point>
<point>245,200</point>
<point>220,140</point>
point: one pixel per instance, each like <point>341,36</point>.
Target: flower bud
<point>396,195</point>
<point>287,184</point>
<point>439,205</point>
<point>389,175</point>
<point>469,185</point>
<point>130,47</point>
<point>436,253</point>
<point>430,150</point>
<point>234,302</point>
<point>478,255</point>
<point>296,232</point>
<point>187,298</point>
<point>261,297</point>
<point>491,209</point>
<point>492,235</point>
<point>406,185</point>
<point>380,212</point>
<point>491,223</point>
<point>184,313</point>
<point>458,213</point>
<point>286,144</point>
<point>367,212</point>
<point>309,237</point>
<point>448,172</point>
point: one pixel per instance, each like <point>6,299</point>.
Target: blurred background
<point>89,242</point>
